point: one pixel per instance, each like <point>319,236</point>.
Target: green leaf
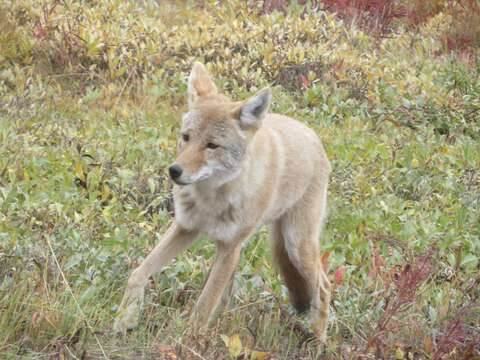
<point>469,261</point>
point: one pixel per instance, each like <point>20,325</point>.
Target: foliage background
<point>90,98</point>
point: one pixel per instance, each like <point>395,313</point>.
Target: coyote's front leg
<point>174,241</point>
<point>228,255</point>
<point>220,275</point>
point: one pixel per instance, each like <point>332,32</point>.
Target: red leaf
<point>304,80</point>
<point>39,32</point>
<point>340,275</point>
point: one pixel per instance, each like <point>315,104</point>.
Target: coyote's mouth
<point>187,179</point>
<point>181,183</point>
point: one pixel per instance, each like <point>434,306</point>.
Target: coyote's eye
<point>212,146</point>
<point>185,137</point>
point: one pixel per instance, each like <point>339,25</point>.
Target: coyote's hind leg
<point>295,240</point>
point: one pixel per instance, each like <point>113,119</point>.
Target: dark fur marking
<point>296,284</point>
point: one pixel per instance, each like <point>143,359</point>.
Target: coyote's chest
<point>213,214</point>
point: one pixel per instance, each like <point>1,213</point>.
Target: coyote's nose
<point>175,171</point>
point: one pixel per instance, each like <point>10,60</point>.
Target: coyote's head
<point>215,132</point>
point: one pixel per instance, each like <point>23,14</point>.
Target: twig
<point>123,87</point>
<point>472,112</point>
<point>249,304</point>
<point>188,348</point>
<point>67,285</point>
<point>71,353</point>
<point>2,174</point>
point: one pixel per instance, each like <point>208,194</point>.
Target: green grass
<point>84,194</point>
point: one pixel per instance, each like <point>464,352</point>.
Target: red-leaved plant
<point>374,16</point>
<point>458,337</point>
<point>407,282</point>
<point>377,17</point>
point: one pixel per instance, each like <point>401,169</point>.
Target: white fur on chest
<point>212,213</point>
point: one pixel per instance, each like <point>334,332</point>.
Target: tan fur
<point>266,169</point>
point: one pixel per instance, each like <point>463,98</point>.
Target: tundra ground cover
<point>91,94</point>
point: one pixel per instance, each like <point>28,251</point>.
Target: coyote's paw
<point>129,312</point>
<point>319,328</point>
<point>199,323</point>
<point>321,337</point>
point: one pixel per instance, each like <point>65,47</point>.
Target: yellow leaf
<point>26,176</point>
<point>399,354</point>
<point>234,345</point>
<point>444,150</point>
<point>361,228</point>
<point>79,171</point>
<point>105,192</point>
<point>259,355</point>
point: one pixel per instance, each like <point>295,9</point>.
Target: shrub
<point>381,17</point>
<point>464,20</point>
<point>376,16</point>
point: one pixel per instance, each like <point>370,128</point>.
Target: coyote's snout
<point>239,167</point>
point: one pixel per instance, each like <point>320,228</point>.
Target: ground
<point>90,103</point>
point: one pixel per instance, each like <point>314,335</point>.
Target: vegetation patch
<point>91,95</point>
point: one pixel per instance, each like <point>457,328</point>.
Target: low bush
<point>91,93</point>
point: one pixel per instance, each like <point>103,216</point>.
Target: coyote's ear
<point>251,112</point>
<point>200,83</point>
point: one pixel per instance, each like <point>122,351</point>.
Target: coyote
<point>239,167</point>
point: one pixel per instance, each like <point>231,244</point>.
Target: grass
<point>84,193</point>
